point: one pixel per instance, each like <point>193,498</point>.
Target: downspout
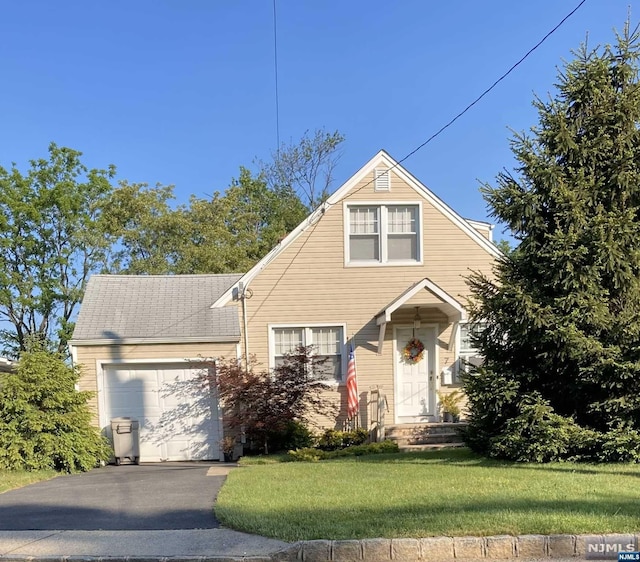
<point>246,331</point>
<point>244,294</point>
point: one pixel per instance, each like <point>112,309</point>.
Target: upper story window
<point>326,341</point>
<point>383,234</point>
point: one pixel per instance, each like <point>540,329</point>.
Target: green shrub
<point>44,422</point>
<point>355,437</point>
<point>536,434</point>
<point>619,445</point>
<point>491,401</point>
<point>330,440</point>
<point>333,439</point>
<point>313,455</point>
<point>295,435</point>
<point>308,454</point>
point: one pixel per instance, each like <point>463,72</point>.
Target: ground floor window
<point>327,343</point>
<point>468,353</point>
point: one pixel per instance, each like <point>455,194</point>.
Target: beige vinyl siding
<point>483,231</point>
<point>88,357</point>
<point>309,283</point>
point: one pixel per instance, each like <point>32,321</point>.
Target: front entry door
<point>415,382</point>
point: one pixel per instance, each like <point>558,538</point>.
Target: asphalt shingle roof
<point>158,307</point>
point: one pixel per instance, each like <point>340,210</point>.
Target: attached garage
<point>139,340</point>
<point>177,413</point>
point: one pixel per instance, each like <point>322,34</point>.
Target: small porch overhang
<point>449,306</point>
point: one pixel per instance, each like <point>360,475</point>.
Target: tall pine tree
<point>562,345</point>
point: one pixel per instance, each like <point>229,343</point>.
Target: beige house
<point>382,262</point>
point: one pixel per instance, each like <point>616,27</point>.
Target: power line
<point>475,101</point>
<point>275,63</point>
<point>483,94</point>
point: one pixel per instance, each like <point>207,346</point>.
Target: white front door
<point>415,389</point>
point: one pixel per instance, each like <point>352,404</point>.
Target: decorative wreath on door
<point>413,351</point>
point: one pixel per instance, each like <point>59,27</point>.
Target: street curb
<point>431,549</point>
<point>13,558</point>
<point>436,549</point>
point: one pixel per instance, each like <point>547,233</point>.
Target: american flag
<point>352,385</point>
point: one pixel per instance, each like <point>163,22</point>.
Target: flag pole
<point>353,399</point>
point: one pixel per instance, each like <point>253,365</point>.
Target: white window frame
<point>383,233</point>
<point>307,327</point>
<point>464,354</point>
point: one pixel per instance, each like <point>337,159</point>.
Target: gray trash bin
<point>126,440</point>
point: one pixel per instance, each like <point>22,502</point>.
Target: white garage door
<point>178,413</point>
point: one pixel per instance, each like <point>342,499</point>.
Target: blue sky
<point>182,92</point>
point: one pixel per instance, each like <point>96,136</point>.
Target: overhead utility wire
<point>483,94</point>
<point>474,102</point>
<point>275,63</point>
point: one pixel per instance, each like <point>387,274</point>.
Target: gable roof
<point>382,158</point>
<point>155,309</point>
<point>450,306</point>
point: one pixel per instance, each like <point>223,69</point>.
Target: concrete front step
<point>425,434</point>
<point>452,437</point>
<point>429,447</point>
<point>426,428</point>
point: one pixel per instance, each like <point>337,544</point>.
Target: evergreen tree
<point>562,345</point>
<point>45,423</point>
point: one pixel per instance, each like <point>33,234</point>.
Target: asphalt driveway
<point>155,496</point>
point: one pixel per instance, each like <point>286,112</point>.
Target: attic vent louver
<point>383,180</point>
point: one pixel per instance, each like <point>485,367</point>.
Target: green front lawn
<point>10,479</point>
<point>428,494</point>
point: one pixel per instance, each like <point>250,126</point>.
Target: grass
<point>435,493</point>
<point>11,479</point>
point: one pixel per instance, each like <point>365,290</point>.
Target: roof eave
<point>166,340</point>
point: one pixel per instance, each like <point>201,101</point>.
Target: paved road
<point>147,497</point>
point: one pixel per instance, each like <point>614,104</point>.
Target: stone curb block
<point>347,550</point>
<point>531,546</point>
<point>405,549</point>
<point>468,548</point>
<point>561,546</point>
<point>375,550</point>
<point>501,546</point>
<point>435,549</point>
<point>316,551</point>
<point>443,549</point>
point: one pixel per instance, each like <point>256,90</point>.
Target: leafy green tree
<point>563,308</point>
<point>305,167</point>
<point>49,245</point>
<point>44,422</point>
<point>146,232</point>
<point>228,233</point>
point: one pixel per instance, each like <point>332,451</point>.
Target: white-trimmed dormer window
<point>382,179</point>
<point>383,234</point>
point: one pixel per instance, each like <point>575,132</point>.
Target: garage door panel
<point>178,417</point>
